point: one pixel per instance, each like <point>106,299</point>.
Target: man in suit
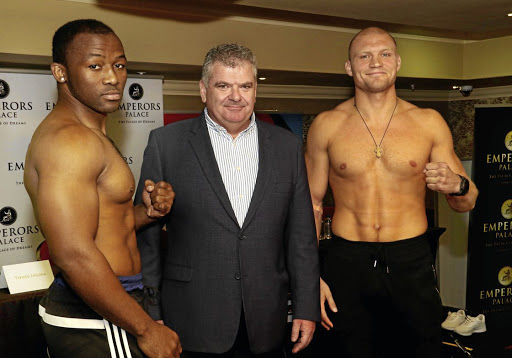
<point>241,232</point>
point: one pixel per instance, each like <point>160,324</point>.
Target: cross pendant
<point>378,151</point>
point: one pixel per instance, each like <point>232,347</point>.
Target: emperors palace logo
<point>138,111</point>
<point>502,160</point>
<point>8,216</point>
<point>500,295</point>
<point>136,91</point>
<point>506,209</point>
<point>9,109</point>
<point>12,234</point>
<point>4,89</point>
<point>501,229</point>
<point>505,276</point>
<point>508,141</point>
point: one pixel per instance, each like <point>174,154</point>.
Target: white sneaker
<point>454,319</point>
<point>472,325</point>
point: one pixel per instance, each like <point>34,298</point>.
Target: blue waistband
<point>130,283</point>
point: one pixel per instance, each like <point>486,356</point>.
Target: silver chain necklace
<point>378,148</point>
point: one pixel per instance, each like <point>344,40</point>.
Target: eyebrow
<point>91,55</point>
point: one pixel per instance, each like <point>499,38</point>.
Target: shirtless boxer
<point>81,191</point>
<point>379,154</point>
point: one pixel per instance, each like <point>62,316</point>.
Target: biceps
<point>445,153</point>
<point>317,163</point>
<point>66,212</point>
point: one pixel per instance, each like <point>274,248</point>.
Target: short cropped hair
<point>368,29</point>
<point>230,55</point>
<point>67,32</point>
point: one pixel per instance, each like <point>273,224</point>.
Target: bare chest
<point>116,183</point>
<point>401,153</point>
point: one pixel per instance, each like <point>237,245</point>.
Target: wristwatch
<point>464,187</point>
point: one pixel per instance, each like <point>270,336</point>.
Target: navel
<point>413,164</point>
<point>377,226</point>
<point>343,166</point>
<point>131,190</point>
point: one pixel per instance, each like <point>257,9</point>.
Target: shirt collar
<point>220,129</point>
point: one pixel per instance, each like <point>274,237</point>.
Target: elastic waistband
<point>413,241</point>
<point>389,253</point>
<point>130,283</point>
<point>70,322</point>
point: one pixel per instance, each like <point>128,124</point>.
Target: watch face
<point>464,186</point>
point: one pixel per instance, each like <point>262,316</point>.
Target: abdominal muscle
<point>380,212</point>
<point>116,239</point>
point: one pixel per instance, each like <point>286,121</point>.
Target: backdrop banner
<point>489,288</point>
<point>25,100</point>
<point>140,112</point>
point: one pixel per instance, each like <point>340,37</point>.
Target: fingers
<point>162,197</point>
<point>326,295</point>
<point>149,185</point>
<point>439,177</point>
<point>306,329</point>
<point>295,331</point>
<point>300,345</point>
<point>326,322</point>
<point>160,342</point>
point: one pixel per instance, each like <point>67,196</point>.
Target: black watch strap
<point>464,187</point>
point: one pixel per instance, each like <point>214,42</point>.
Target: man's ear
<point>398,63</point>
<point>59,72</point>
<point>348,68</point>
<point>202,91</point>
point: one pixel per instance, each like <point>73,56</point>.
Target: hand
<point>440,178</point>
<point>302,333</point>
<point>326,295</point>
<point>157,198</point>
<point>160,342</point>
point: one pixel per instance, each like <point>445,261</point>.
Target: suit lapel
<point>264,170</point>
<point>202,146</point>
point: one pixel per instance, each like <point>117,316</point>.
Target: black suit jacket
<point>213,268</point>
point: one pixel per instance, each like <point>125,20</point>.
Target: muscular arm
<point>441,172</point>
<point>317,163</point>
<point>67,204</point>
<point>148,238</point>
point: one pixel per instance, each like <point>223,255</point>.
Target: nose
<point>109,76</point>
<point>376,61</point>
<point>234,95</point>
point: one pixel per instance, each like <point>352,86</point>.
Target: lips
<point>112,96</point>
<point>234,108</point>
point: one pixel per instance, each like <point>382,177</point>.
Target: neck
<point>72,108</point>
<point>373,105</point>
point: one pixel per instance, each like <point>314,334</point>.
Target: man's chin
<point>378,87</point>
<point>110,108</point>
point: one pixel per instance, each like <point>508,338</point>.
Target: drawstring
<point>380,258</point>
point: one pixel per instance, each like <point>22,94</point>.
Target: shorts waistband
<point>385,254</point>
<point>129,283</point>
<point>413,241</point>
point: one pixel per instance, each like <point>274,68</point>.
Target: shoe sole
<point>449,328</point>
<point>470,333</point>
